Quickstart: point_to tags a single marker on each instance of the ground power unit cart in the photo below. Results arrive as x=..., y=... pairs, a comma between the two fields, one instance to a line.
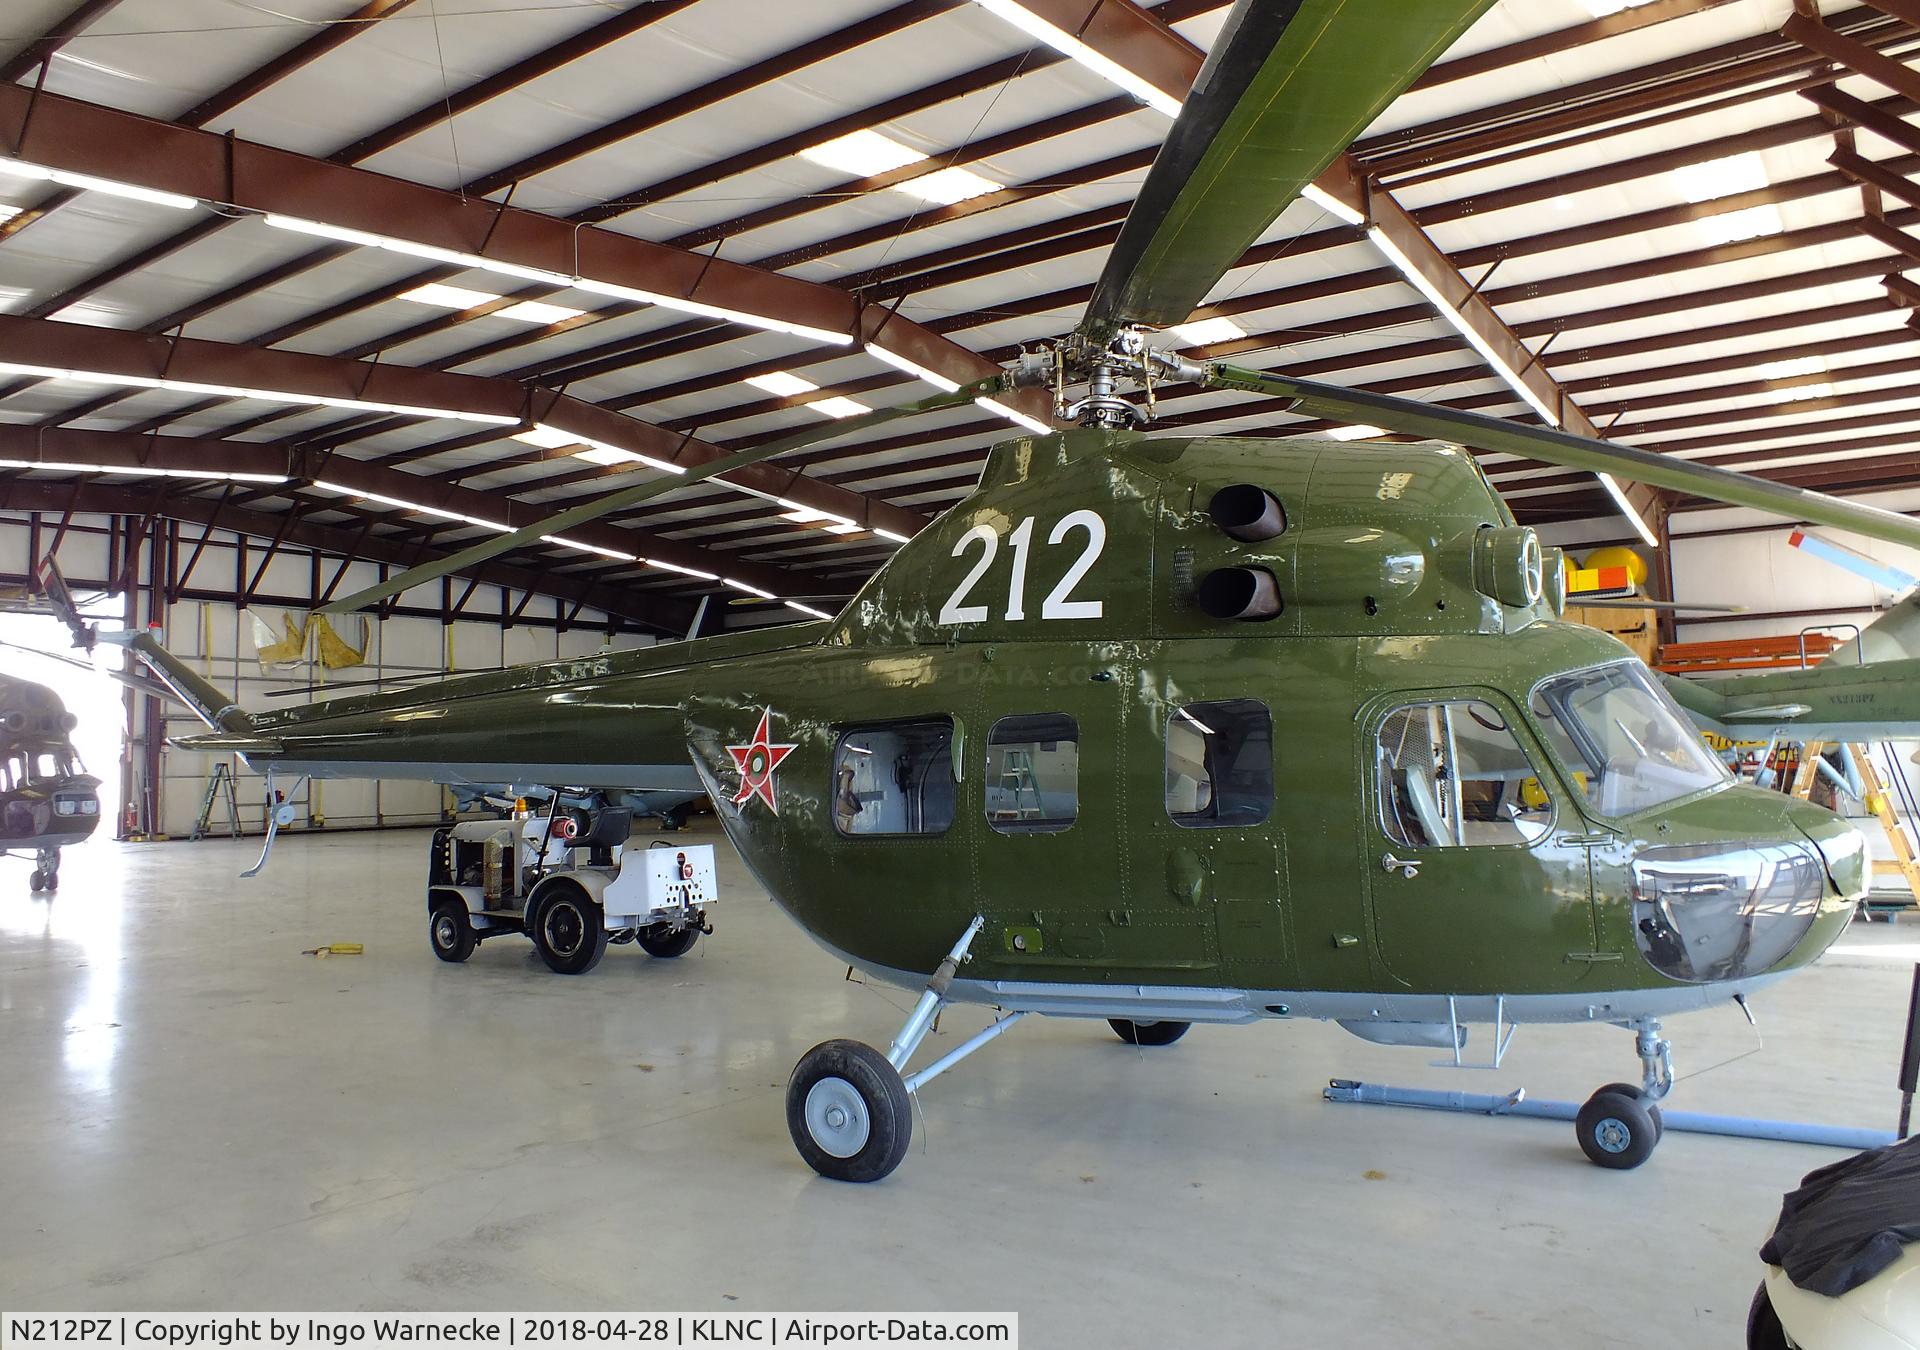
x=568, y=881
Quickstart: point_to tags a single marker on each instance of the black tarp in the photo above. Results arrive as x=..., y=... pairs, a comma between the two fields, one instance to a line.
x=1848, y=1221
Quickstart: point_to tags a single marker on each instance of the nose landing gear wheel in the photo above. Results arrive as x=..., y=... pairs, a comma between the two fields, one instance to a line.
x=1616, y=1130
x=569, y=931
x=39, y=881
x=664, y=943
x=450, y=931
x=1639, y=1094
x=848, y=1112
x=1148, y=1033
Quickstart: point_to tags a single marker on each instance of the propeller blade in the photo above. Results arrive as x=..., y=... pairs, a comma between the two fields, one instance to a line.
x=495, y=545
x=1413, y=418
x=1286, y=88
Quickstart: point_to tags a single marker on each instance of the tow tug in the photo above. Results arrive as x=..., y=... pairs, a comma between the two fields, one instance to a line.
x=571, y=882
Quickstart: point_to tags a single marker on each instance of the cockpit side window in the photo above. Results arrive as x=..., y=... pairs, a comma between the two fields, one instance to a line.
x=1220, y=764
x=1033, y=774
x=894, y=779
x=1453, y=775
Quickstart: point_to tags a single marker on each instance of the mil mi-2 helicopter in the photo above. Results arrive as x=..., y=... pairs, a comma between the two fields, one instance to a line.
x=1189, y=729
x=48, y=800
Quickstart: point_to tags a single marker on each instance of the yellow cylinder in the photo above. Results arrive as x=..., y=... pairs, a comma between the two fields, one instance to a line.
x=1617, y=555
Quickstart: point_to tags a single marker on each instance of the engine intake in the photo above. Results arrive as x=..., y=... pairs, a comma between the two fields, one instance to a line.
x=1248, y=513
x=1247, y=593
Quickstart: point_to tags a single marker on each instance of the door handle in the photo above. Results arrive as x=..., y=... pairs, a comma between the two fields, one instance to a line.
x=1406, y=867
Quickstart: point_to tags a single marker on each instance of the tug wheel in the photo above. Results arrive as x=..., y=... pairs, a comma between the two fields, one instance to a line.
x=848, y=1112
x=664, y=943
x=569, y=930
x=450, y=930
x=1616, y=1130
x=1639, y=1093
x=1147, y=1033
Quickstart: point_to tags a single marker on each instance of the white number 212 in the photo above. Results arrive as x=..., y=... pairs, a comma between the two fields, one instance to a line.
x=1057, y=605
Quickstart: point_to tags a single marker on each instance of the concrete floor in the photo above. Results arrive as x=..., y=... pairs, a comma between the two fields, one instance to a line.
x=194, y=1115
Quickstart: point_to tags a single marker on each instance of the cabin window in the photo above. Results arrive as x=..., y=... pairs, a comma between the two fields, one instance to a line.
x=1220, y=764
x=1453, y=775
x=1033, y=774
x=894, y=779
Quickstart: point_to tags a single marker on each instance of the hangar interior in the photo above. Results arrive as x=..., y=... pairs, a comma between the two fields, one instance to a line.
x=295, y=298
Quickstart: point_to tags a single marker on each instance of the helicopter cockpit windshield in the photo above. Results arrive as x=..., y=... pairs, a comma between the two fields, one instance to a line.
x=1624, y=739
x=32, y=766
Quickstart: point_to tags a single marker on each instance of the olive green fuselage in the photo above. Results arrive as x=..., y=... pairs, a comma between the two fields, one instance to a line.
x=1065, y=588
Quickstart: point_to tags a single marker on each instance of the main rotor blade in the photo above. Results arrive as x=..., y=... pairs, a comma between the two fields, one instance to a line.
x=495, y=545
x=1413, y=418
x=1286, y=88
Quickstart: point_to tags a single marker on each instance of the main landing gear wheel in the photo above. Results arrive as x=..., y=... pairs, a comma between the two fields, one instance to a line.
x=1617, y=1130
x=569, y=931
x=41, y=880
x=1148, y=1033
x=450, y=931
x=848, y=1112
x=665, y=943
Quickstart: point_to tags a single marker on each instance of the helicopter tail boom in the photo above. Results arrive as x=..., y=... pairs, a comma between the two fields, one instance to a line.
x=208, y=703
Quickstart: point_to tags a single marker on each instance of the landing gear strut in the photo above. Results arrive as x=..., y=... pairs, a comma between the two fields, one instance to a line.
x=848, y=1106
x=1620, y=1124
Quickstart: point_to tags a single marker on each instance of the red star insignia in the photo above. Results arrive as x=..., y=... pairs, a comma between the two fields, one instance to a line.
x=756, y=761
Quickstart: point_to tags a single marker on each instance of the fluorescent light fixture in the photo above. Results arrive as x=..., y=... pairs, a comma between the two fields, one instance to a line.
x=1359, y=433
x=1715, y=178
x=216, y=475
x=807, y=515
x=1735, y=227
x=448, y=297
x=8, y=212
x=1331, y=204
x=772, y=325
x=1015, y=416
x=608, y=455
x=400, y=503
x=1507, y=373
x=913, y=368
x=781, y=384
x=1075, y=50
x=750, y=590
x=683, y=571
x=565, y=542
x=1600, y=9
x=265, y=395
x=1460, y=325
x=839, y=407
x=1627, y=509
x=944, y=187
x=538, y=312
x=86, y=182
x=891, y=536
x=1206, y=332
x=862, y=154
x=348, y=235
x=808, y=609
x=546, y=437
